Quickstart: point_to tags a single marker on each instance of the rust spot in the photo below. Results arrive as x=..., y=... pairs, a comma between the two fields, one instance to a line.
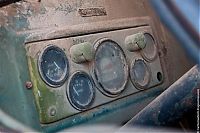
x=89, y=12
x=164, y=50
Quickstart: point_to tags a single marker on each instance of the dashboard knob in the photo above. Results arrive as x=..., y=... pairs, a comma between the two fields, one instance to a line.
x=82, y=52
x=135, y=42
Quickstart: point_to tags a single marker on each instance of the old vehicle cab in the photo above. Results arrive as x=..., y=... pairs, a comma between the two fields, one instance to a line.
x=72, y=65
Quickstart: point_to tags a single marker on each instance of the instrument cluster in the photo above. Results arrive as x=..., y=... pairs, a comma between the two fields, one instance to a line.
x=76, y=74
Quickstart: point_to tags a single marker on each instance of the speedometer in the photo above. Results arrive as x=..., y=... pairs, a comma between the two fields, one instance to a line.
x=53, y=66
x=110, y=67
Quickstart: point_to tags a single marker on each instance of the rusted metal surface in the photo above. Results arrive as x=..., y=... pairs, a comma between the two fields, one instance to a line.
x=172, y=104
x=38, y=21
x=89, y=12
x=42, y=16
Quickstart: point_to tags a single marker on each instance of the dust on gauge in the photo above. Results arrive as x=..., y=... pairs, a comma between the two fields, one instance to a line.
x=80, y=90
x=140, y=73
x=53, y=66
x=150, y=51
x=110, y=67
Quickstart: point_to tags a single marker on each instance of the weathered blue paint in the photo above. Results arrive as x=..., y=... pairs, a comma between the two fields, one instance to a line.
x=188, y=38
x=172, y=104
x=15, y=99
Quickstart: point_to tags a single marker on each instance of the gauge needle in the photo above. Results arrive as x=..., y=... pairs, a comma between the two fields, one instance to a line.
x=56, y=65
x=75, y=91
x=48, y=72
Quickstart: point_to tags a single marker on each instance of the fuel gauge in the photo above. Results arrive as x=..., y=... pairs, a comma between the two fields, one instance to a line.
x=80, y=90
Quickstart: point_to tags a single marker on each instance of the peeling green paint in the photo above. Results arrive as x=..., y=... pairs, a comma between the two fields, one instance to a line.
x=47, y=97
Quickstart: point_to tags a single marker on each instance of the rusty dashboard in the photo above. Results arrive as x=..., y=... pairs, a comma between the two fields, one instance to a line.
x=75, y=62
x=112, y=72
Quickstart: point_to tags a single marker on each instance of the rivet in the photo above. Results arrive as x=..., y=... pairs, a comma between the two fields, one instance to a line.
x=29, y=85
x=52, y=112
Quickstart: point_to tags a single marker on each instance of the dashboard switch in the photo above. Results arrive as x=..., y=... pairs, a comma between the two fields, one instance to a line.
x=82, y=52
x=135, y=42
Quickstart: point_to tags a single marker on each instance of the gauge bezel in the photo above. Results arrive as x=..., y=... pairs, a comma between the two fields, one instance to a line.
x=148, y=59
x=104, y=91
x=137, y=85
x=86, y=106
x=65, y=75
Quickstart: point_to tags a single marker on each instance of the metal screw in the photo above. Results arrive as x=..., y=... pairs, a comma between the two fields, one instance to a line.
x=52, y=112
x=29, y=85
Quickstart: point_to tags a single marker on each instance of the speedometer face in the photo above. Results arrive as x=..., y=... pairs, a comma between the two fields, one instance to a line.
x=140, y=74
x=53, y=66
x=81, y=90
x=110, y=67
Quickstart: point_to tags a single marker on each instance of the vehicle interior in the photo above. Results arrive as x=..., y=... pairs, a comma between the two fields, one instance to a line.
x=99, y=65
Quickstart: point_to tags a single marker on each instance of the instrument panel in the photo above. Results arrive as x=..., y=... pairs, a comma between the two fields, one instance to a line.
x=101, y=70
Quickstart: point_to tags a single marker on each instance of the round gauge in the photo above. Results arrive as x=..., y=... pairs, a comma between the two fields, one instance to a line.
x=53, y=66
x=140, y=73
x=110, y=67
x=81, y=90
x=149, y=52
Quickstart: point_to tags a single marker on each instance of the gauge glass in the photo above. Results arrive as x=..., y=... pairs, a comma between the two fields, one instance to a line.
x=150, y=51
x=81, y=90
x=110, y=67
x=140, y=73
x=53, y=66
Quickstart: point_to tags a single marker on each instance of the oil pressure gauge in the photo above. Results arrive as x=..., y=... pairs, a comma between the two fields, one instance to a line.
x=110, y=67
x=53, y=66
x=80, y=90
